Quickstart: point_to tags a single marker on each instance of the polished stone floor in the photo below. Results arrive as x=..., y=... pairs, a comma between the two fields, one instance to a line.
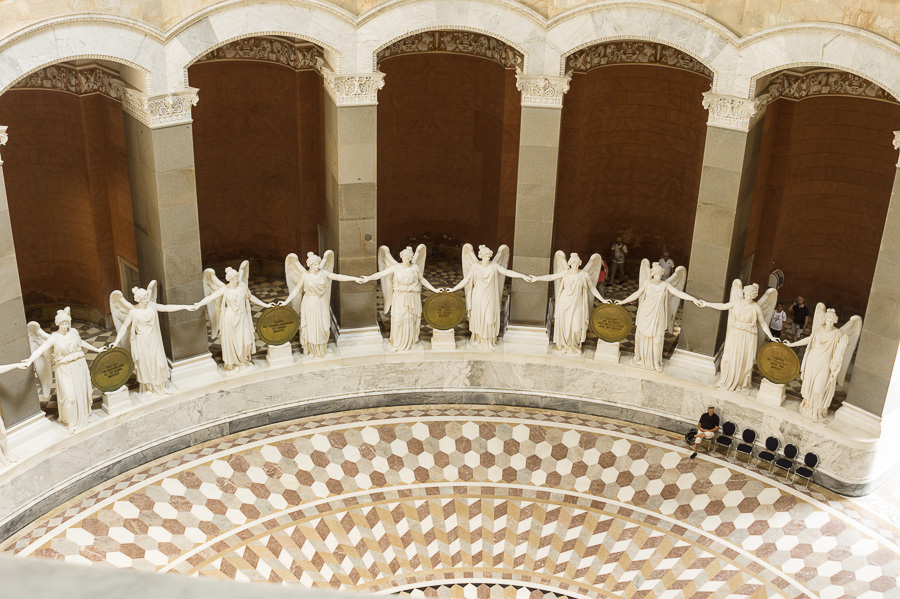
x=467, y=501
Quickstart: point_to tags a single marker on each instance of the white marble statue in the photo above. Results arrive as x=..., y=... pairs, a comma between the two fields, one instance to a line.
x=574, y=290
x=66, y=359
x=748, y=325
x=6, y=458
x=138, y=331
x=230, y=316
x=401, y=284
x=483, y=280
x=310, y=296
x=826, y=360
x=658, y=302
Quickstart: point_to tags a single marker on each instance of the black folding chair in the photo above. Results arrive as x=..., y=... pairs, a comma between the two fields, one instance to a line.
x=726, y=437
x=770, y=452
x=786, y=461
x=748, y=438
x=808, y=469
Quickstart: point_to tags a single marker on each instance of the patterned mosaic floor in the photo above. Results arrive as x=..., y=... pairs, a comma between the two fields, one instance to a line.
x=453, y=501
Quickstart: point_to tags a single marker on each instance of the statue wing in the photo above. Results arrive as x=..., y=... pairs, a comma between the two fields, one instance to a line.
x=42, y=365
x=501, y=258
x=559, y=265
x=120, y=309
x=419, y=258
x=818, y=321
x=211, y=284
x=851, y=331
x=152, y=291
x=644, y=274
x=767, y=305
x=736, y=294
x=385, y=261
x=469, y=259
x=328, y=264
x=593, y=268
x=293, y=274
x=678, y=281
x=244, y=270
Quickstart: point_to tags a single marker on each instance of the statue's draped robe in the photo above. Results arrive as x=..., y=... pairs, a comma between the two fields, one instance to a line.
x=739, y=351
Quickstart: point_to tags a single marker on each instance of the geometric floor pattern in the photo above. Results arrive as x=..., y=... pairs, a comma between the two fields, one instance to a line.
x=475, y=502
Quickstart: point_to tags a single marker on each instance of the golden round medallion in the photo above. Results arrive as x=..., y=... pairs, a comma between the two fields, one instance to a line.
x=444, y=311
x=611, y=322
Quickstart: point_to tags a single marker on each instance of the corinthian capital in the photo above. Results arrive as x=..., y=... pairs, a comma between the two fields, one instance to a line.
x=896, y=141
x=4, y=137
x=357, y=89
x=160, y=110
x=542, y=91
x=731, y=112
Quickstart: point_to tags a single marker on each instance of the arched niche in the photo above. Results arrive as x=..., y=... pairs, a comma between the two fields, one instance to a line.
x=448, y=139
x=258, y=148
x=631, y=150
x=823, y=185
x=68, y=188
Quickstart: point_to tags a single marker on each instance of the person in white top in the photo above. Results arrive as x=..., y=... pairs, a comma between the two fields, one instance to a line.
x=667, y=265
x=776, y=325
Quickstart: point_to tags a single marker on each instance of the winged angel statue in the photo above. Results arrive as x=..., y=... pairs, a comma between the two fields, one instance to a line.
x=483, y=280
x=138, y=330
x=826, y=360
x=572, y=290
x=230, y=319
x=310, y=296
x=401, y=284
x=73, y=380
x=748, y=326
x=658, y=302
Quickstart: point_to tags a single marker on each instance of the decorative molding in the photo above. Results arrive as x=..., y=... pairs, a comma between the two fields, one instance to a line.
x=541, y=91
x=895, y=143
x=634, y=52
x=731, y=112
x=455, y=42
x=79, y=80
x=4, y=137
x=300, y=56
x=357, y=89
x=827, y=82
x=163, y=110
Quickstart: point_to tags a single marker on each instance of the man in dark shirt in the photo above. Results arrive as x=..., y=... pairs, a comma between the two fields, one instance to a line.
x=707, y=427
x=801, y=318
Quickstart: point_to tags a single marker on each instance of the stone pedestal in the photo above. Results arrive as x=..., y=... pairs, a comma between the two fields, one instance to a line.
x=195, y=371
x=279, y=355
x=607, y=352
x=692, y=366
x=850, y=415
x=116, y=401
x=443, y=340
x=529, y=340
x=361, y=341
x=770, y=393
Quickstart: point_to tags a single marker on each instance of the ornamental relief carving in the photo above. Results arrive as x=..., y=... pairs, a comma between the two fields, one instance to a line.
x=300, y=56
x=797, y=86
x=633, y=53
x=81, y=81
x=161, y=110
x=455, y=42
x=360, y=89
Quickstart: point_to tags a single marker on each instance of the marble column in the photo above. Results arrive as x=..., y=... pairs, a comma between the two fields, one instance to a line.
x=160, y=144
x=542, y=99
x=730, y=157
x=874, y=388
x=18, y=390
x=351, y=155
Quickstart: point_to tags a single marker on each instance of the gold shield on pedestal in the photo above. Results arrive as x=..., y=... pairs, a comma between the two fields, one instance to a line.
x=777, y=362
x=277, y=325
x=444, y=311
x=611, y=323
x=111, y=369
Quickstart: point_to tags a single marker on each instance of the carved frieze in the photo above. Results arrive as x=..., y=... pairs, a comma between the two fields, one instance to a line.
x=356, y=89
x=456, y=42
x=4, y=137
x=300, y=56
x=730, y=112
x=633, y=52
x=161, y=110
x=798, y=86
x=541, y=91
x=79, y=80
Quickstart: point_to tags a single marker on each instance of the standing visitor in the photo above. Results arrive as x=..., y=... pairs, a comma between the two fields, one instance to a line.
x=800, y=313
x=667, y=265
x=776, y=324
x=619, y=250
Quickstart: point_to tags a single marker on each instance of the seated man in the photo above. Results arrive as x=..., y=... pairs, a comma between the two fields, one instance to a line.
x=707, y=427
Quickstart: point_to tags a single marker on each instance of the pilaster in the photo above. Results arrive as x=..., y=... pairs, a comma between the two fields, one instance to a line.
x=18, y=390
x=542, y=100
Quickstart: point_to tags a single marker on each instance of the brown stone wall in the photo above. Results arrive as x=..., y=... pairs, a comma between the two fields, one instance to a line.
x=448, y=144
x=259, y=160
x=70, y=202
x=631, y=150
x=821, y=196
